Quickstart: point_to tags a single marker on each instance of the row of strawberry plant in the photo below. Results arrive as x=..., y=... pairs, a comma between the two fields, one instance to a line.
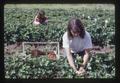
x=24, y=66
x=18, y=24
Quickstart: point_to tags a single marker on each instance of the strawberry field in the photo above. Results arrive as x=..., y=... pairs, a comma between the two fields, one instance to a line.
x=26, y=67
x=18, y=26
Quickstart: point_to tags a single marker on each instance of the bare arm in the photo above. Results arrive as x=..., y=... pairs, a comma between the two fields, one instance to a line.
x=70, y=59
x=46, y=21
x=36, y=18
x=86, y=57
x=85, y=61
x=36, y=21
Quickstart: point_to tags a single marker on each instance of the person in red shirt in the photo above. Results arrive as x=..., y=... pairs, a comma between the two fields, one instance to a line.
x=40, y=18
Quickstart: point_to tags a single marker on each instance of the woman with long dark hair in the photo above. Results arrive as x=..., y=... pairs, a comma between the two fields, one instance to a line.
x=76, y=40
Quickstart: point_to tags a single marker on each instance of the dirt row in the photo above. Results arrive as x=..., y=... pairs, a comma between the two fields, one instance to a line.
x=17, y=47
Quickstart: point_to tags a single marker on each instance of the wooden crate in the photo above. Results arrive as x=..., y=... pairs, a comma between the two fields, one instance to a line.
x=43, y=46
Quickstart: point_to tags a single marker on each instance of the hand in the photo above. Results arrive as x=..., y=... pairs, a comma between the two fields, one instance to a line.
x=81, y=71
x=36, y=23
x=77, y=72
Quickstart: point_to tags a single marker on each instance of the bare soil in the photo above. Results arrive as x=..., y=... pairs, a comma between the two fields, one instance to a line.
x=11, y=49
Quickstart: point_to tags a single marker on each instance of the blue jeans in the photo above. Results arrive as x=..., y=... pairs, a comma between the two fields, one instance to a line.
x=74, y=55
x=79, y=53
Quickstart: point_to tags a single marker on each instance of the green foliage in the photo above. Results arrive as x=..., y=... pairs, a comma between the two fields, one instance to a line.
x=37, y=67
x=102, y=66
x=26, y=67
x=19, y=24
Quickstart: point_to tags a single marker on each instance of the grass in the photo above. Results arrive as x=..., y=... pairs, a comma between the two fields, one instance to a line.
x=57, y=6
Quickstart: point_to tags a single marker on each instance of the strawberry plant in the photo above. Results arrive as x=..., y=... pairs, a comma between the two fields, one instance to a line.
x=27, y=67
x=19, y=24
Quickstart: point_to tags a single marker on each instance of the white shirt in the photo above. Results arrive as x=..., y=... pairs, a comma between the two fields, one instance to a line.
x=77, y=44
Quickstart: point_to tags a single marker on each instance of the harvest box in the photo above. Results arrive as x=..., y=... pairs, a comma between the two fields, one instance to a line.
x=42, y=46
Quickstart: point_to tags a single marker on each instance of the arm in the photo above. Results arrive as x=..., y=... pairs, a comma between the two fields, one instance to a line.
x=87, y=48
x=85, y=61
x=70, y=59
x=36, y=21
x=86, y=57
x=46, y=21
x=66, y=46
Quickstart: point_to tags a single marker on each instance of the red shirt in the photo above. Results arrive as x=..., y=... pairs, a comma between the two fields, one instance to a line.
x=43, y=20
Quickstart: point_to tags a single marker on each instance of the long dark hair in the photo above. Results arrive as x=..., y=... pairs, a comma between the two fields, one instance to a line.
x=40, y=12
x=75, y=24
